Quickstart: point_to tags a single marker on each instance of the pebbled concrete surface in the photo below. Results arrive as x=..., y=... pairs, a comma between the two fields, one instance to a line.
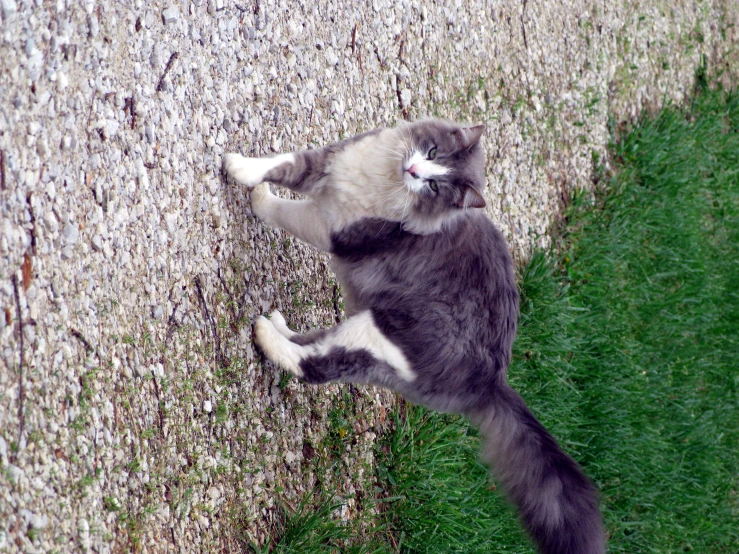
x=134, y=411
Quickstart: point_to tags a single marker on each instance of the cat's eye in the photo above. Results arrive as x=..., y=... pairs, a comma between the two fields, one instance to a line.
x=432, y=153
x=432, y=185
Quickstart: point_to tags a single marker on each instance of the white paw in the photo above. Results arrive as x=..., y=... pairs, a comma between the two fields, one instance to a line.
x=277, y=319
x=278, y=349
x=251, y=171
x=260, y=196
x=245, y=171
x=262, y=329
x=280, y=324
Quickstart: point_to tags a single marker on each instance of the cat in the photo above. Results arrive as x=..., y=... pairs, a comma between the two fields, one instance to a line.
x=431, y=300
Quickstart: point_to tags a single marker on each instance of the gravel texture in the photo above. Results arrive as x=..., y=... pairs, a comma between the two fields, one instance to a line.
x=134, y=410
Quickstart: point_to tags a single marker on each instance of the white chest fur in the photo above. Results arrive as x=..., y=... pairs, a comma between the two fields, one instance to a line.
x=365, y=179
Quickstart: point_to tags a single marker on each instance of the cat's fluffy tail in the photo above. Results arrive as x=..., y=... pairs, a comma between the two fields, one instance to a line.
x=556, y=501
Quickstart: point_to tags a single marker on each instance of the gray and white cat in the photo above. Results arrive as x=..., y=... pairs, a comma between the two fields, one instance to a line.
x=431, y=299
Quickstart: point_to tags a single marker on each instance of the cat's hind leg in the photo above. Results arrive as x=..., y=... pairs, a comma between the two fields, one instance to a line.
x=354, y=351
x=278, y=348
x=279, y=323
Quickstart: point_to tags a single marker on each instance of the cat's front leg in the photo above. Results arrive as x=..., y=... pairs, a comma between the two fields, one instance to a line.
x=252, y=171
x=300, y=218
x=300, y=171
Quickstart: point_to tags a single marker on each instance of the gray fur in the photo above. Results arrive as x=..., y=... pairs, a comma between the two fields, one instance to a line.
x=439, y=284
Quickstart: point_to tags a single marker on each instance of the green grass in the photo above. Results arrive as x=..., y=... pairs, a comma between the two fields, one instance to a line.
x=439, y=496
x=654, y=267
x=312, y=528
x=627, y=352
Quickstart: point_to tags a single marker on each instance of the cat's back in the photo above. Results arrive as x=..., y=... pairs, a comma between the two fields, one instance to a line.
x=459, y=274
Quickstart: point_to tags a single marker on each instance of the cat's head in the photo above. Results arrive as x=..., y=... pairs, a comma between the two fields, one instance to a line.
x=442, y=170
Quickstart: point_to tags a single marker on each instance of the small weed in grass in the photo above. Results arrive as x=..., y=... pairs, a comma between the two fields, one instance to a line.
x=340, y=428
x=148, y=433
x=111, y=504
x=311, y=528
x=134, y=466
x=85, y=481
x=221, y=412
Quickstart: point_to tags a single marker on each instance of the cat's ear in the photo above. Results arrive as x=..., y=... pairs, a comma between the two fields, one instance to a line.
x=467, y=137
x=471, y=199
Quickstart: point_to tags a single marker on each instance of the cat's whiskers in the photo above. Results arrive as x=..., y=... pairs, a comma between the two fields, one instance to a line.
x=387, y=199
x=402, y=205
x=387, y=220
x=406, y=143
x=405, y=207
x=390, y=184
x=403, y=143
x=392, y=154
x=387, y=196
x=390, y=149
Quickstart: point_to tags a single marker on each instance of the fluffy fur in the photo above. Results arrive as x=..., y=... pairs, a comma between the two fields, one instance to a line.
x=431, y=299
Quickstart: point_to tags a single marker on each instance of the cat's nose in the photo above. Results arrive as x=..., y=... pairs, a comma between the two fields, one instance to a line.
x=412, y=170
